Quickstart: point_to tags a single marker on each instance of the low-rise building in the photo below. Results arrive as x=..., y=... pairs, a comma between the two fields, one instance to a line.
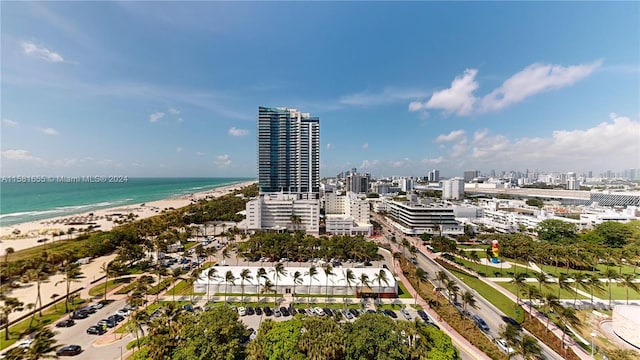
x=283, y=212
x=416, y=219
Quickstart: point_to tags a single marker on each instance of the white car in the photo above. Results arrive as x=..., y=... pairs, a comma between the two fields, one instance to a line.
x=242, y=311
x=502, y=344
x=318, y=311
x=406, y=314
x=123, y=312
x=25, y=343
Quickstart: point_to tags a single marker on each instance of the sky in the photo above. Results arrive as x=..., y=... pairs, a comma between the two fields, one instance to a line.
x=172, y=89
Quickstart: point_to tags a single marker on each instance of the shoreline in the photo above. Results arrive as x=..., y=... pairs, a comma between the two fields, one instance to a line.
x=33, y=233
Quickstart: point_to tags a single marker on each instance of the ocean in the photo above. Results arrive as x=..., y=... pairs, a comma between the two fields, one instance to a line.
x=22, y=202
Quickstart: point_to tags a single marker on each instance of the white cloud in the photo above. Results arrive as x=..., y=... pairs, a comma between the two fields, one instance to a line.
x=454, y=135
x=19, y=154
x=386, y=96
x=9, y=123
x=223, y=160
x=366, y=164
x=156, y=116
x=198, y=153
x=41, y=52
x=365, y=146
x=330, y=146
x=178, y=149
x=534, y=79
x=174, y=111
x=401, y=163
x=432, y=161
x=458, y=99
x=49, y=131
x=238, y=132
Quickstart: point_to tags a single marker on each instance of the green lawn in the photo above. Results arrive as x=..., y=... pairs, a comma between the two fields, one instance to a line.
x=618, y=293
x=403, y=293
x=600, y=269
x=181, y=288
x=493, y=296
x=111, y=284
x=490, y=271
x=551, y=288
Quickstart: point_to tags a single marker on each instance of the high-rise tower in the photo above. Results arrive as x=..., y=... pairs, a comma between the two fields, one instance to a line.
x=288, y=151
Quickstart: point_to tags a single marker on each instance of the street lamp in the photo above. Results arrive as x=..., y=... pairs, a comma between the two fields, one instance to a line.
x=593, y=336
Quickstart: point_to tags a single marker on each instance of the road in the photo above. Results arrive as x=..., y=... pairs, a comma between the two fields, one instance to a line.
x=77, y=334
x=491, y=315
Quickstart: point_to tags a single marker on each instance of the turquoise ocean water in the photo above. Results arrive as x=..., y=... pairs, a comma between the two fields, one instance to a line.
x=22, y=202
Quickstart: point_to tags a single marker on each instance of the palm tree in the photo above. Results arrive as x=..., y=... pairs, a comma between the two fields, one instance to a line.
x=441, y=277
x=475, y=259
x=541, y=277
x=452, y=289
x=11, y=304
x=364, y=281
x=267, y=287
x=228, y=278
x=39, y=275
x=8, y=251
x=626, y=280
x=295, y=221
x=261, y=274
x=43, y=344
x=109, y=269
x=578, y=281
x=551, y=304
x=349, y=278
x=528, y=347
x=468, y=299
x=245, y=275
x=531, y=293
x=421, y=277
x=328, y=271
x=212, y=274
x=138, y=320
x=192, y=279
x=278, y=271
x=72, y=273
x=610, y=274
x=297, y=280
x=225, y=255
x=594, y=284
x=381, y=277
x=519, y=281
x=313, y=271
x=563, y=283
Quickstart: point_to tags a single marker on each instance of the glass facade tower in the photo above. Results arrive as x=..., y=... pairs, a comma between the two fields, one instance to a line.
x=288, y=151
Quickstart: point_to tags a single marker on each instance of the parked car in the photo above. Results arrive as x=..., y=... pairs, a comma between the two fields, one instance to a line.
x=108, y=322
x=354, y=312
x=292, y=310
x=123, y=312
x=277, y=313
x=423, y=315
x=258, y=310
x=391, y=313
x=250, y=310
x=267, y=311
x=69, y=350
x=242, y=311
x=77, y=315
x=302, y=311
x=318, y=311
x=95, y=330
x=117, y=318
x=480, y=322
x=284, y=311
x=406, y=314
x=347, y=314
x=66, y=323
x=25, y=343
x=97, y=306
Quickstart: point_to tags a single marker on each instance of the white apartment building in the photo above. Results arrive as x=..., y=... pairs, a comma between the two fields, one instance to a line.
x=274, y=212
x=453, y=189
x=347, y=214
x=416, y=219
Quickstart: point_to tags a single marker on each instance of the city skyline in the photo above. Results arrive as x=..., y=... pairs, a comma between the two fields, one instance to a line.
x=401, y=88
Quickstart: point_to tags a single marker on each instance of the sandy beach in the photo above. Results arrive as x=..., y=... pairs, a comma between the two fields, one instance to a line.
x=30, y=234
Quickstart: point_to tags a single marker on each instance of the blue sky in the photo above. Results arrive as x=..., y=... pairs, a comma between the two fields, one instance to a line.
x=172, y=89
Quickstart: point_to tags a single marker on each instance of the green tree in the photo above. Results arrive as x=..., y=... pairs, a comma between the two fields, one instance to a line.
x=42, y=346
x=627, y=280
x=611, y=275
x=349, y=278
x=212, y=274
x=278, y=272
x=228, y=278
x=10, y=305
x=527, y=347
x=615, y=234
x=373, y=336
x=554, y=231
x=39, y=275
x=215, y=335
x=245, y=275
x=277, y=340
x=595, y=285
x=468, y=300
x=72, y=273
x=520, y=282
x=328, y=271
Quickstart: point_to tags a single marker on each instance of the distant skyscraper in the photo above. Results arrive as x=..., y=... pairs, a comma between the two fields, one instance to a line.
x=288, y=151
x=434, y=175
x=453, y=189
x=470, y=175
